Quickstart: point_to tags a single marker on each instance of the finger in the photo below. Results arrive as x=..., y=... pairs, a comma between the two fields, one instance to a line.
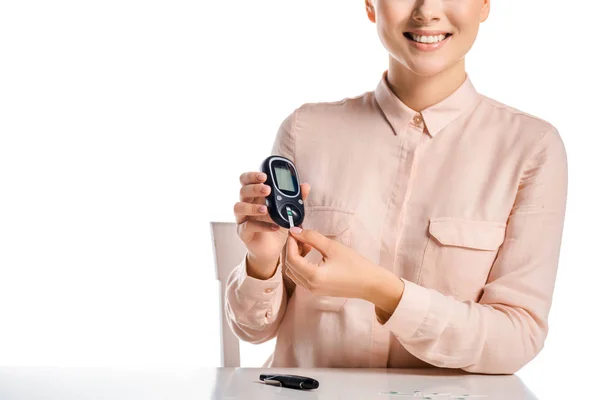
x=242, y=209
x=291, y=276
x=313, y=238
x=299, y=264
x=264, y=218
x=305, y=190
x=248, y=178
x=295, y=278
x=250, y=191
x=306, y=248
x=247, y=229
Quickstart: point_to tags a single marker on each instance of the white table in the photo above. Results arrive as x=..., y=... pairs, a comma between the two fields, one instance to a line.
x=20, y=383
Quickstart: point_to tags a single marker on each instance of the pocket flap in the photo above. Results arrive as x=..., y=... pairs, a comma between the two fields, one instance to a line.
x=483, y=235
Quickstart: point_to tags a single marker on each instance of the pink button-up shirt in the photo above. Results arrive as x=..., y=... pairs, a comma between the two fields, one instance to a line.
x=464, y=201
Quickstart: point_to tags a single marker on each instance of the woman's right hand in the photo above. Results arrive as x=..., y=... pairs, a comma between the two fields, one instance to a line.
x=263, y=238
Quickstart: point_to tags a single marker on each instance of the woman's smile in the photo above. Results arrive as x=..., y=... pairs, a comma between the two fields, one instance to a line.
x=427, y=40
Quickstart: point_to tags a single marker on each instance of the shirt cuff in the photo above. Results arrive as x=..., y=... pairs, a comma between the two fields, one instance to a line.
x=411, y=311
x=258, y=289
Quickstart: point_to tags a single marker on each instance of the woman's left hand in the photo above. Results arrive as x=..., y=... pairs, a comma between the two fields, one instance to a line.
x=342, y=273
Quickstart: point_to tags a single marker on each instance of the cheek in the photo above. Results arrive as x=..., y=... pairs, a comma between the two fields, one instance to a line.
x=465, y=39
x=391, y=15
x=465, y=16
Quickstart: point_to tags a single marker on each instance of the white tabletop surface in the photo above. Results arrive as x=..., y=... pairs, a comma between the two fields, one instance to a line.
x=20, y=383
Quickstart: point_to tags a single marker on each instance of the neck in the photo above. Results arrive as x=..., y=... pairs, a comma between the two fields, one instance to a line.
x=421, y=92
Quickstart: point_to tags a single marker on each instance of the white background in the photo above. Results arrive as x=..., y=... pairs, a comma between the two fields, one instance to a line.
x=124, y=126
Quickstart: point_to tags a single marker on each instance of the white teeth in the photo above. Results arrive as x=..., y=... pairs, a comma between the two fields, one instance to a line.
x=427, y=39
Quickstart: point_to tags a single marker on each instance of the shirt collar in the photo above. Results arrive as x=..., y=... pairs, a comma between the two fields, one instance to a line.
x=436, y=117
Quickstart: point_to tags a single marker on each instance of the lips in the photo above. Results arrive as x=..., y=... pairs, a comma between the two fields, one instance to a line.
x=425, y=37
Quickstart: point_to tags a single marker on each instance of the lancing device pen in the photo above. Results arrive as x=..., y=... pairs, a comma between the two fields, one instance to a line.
x=290, y=381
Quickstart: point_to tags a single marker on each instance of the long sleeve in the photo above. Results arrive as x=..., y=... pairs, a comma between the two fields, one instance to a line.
x=508, y=326
x=253, y=307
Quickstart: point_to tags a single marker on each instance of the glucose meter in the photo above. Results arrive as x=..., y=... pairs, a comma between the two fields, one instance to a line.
x=284, y=203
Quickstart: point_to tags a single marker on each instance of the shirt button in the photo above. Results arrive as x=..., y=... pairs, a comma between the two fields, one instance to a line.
x=417, y=119
x=268, y=290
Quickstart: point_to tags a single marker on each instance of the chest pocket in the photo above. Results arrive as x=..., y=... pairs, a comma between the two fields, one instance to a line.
x=459, y=255
x=335, y=224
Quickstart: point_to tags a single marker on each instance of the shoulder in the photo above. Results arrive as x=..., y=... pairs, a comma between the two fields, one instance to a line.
x=540, y=140
x=523, y=123
x=342, y=110
x=322, y=121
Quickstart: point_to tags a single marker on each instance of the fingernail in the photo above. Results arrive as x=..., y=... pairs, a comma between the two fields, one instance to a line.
x=295, y=229
x=265, y=189
x=275, y=227
x=261, y=176
x=262, y=208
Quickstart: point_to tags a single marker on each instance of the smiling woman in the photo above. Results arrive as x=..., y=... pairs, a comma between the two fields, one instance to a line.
x=114, y=114
x=456, y=244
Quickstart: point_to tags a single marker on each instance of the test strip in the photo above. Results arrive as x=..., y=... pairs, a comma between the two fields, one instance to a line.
x=290, y=218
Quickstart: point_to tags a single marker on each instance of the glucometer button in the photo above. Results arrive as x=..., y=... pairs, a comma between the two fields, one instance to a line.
x=300, y=201
x=279, y=198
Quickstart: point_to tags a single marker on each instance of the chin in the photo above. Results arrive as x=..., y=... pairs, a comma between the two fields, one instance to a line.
x=426, y=68
x=429, y=70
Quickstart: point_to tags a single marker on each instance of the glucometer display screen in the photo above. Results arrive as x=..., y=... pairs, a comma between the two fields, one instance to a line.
x=284, y=179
